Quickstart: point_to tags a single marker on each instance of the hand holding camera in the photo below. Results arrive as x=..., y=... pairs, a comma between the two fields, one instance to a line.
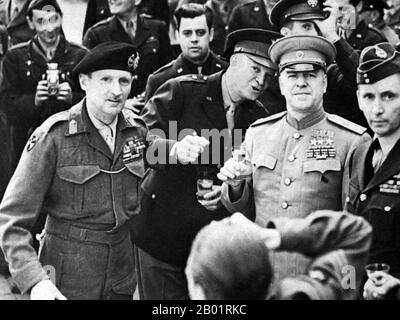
x=328, y=26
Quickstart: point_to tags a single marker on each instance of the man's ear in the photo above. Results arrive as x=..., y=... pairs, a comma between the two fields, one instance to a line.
x=285, y=31
x=138, y=2
x=359, y=100
x=211, y=34
x=30, y=23
x=83, y=78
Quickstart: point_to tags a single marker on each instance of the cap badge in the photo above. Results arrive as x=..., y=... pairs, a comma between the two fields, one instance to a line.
x=312, y=3
x=133, y=61
x=300, y=54
x=380, y=53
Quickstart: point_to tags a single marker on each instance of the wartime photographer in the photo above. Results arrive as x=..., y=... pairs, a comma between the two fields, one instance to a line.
x=36, y=81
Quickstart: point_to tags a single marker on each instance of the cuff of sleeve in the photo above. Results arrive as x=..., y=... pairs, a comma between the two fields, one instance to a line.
x=236, y=206
x=29, y=275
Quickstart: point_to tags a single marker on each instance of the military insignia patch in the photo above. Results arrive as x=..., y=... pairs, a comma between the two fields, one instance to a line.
x=133, y=61
x=312, y=3
x=321, y=145
x=380, y=53
x=31, y=142
x=391, y=186
x=134, y=148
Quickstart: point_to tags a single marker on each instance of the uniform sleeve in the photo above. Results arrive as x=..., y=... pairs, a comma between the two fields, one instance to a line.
x=151, y=87
x=245, y=203
x=15, y=103
x=21, y=206
x=339, y=242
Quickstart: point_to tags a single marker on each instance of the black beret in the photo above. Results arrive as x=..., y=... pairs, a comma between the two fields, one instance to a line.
x=302, y=52
x=109, y=55
x=45, y=5
x=296, y=10
x=377, y=62
x=254, y=42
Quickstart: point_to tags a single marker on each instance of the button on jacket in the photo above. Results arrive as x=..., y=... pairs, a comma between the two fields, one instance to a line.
x=67, y=172
x=289, y=179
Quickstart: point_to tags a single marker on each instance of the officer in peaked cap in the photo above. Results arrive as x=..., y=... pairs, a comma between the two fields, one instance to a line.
x=296, y=157
x=81, y=169
x=221, y=102
x=374, y=188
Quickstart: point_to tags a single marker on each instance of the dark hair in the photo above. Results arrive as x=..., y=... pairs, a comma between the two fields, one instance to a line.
x=230, y=263
x=193, y=10
x=50, y=5
x=290, y=23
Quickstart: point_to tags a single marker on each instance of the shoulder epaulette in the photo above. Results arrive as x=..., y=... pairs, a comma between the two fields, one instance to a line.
x=261, y=121
x=147, y=16
x=132, y=119
x=166, y=66
x=351, y=126
x=192, y=78
x=100, y=23
x=19, y=45
x=50, y=122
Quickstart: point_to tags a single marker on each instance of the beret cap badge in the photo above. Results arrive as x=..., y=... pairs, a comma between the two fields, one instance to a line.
x=133, y=61
x=380, y=53
x=312, y=3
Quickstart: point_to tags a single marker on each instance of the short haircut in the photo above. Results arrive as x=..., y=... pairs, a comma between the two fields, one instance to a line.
x=193, y=10
x=230, y=263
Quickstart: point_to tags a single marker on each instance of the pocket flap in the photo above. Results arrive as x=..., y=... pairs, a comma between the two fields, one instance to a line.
x=78, y=174
x=136, y=167
x=126, y=286
x=322, y=165
x=265, y=160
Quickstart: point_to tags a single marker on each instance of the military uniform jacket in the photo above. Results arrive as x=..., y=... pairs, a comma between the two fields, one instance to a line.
x=171, y=215
x=180, y=67
x=68, y=172
x=364, y=36
x=297, y=168
x=377, y=199
x=250, y=15
x=151, y=39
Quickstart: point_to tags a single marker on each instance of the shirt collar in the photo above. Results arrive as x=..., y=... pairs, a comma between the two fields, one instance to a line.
x=123, y=22
x=307, y=121
x=387, y=143
x=99, y=125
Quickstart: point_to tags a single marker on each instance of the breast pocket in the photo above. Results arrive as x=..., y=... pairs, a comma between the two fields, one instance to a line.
x=77, y=188
x=132, y=181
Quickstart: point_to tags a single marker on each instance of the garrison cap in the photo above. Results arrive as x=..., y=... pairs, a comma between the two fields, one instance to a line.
x=45, y=5
x=377, y=62
x=254, y=42
x=302, y=52
x=109, y=55
x=296, y=10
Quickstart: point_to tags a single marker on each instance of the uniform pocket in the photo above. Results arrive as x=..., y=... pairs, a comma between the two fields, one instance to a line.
x=265, y=160
x=136, y=167
x=322, y=165
x=124, y=288
x=78, y=174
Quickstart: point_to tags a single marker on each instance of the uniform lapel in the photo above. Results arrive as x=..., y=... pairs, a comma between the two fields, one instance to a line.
x=118, y=31
x=359, y=163
x=213, y=105
x=389, y=168
x=142, y=32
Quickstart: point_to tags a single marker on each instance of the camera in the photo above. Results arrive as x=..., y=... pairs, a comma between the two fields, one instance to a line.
x=53, y=78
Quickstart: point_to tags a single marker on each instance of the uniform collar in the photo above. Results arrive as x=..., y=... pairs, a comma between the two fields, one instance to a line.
x=387, y=143
x=307, y=121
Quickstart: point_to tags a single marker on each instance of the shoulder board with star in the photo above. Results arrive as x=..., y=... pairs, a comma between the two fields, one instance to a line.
x=101, y=22
x=132, y=119
x=164, y=67
x=351, y=126
x=193, y=78
x=274, y=117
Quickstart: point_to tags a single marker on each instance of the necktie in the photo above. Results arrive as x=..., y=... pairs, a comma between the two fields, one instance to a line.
x=130, y=28
x=199, y=69
x=377, y=158
x=109, y=137
x=370, y=162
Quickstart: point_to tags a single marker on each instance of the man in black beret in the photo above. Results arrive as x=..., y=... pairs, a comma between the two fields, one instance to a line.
x=81, y=169
x=25, y=93
x=171, y=213
x=374, y=187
